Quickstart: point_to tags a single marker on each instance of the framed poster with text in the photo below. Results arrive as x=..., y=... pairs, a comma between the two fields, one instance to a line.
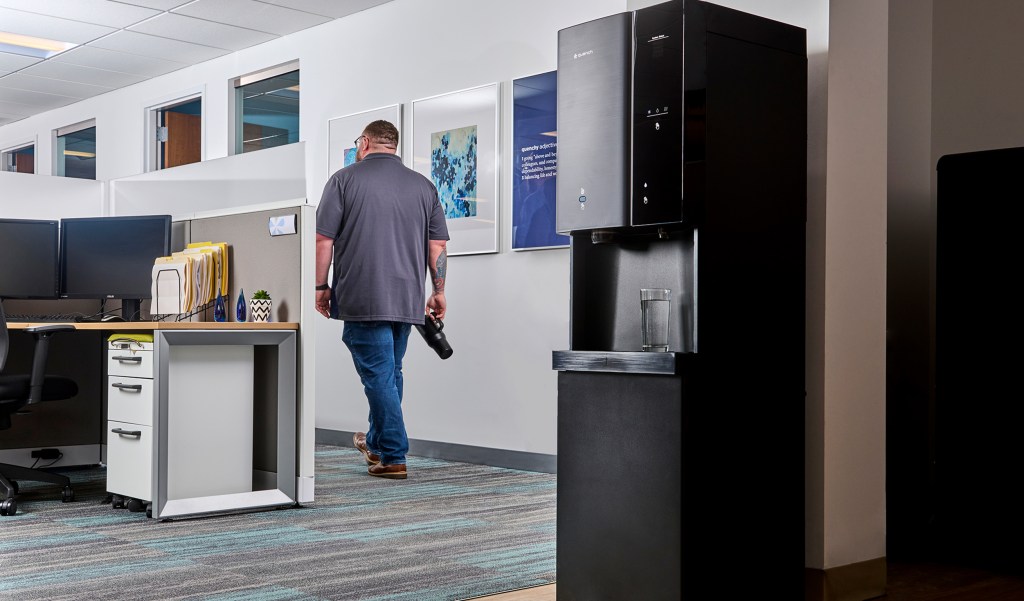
x=534, y=163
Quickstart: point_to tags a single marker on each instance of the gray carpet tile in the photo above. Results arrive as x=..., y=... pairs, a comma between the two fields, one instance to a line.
x=450, y=531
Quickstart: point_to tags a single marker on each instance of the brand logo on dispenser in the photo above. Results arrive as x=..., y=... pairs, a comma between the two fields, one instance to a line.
x=577, y=55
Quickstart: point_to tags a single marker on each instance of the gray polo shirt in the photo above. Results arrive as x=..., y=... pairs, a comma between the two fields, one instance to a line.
x=380, y=214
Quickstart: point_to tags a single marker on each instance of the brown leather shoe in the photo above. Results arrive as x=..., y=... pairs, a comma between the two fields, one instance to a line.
x=359, y=441
x=395, y=471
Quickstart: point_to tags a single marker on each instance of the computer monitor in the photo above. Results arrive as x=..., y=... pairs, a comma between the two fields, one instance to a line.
x=112, y=257
x=28, y=258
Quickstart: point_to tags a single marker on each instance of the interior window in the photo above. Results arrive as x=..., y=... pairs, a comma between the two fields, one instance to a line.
x=179, y=134
x=20, y=160
x=266, y=110
x=75, y=151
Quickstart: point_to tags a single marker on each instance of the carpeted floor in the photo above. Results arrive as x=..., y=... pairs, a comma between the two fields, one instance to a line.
x=450, y=531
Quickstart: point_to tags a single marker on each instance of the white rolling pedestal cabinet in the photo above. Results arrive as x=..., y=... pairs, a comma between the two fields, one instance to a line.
x=202, y=421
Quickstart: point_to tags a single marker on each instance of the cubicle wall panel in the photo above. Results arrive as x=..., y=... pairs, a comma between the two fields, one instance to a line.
x=258, y=260
x=75, y=421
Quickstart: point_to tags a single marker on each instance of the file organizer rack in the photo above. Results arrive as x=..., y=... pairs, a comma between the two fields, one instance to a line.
x=179, y=316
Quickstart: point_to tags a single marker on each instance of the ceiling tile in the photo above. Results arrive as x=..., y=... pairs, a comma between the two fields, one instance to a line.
x=17, y=108
x=39, y=101
x=157, y=47
x=82, y=74
x=13, y=62
x=198, y=31
x=99, y=12
x=101, y=58
x=52, y=86
x=157, y=4
x=329, y=8
x=252, y=15
x=51, y=28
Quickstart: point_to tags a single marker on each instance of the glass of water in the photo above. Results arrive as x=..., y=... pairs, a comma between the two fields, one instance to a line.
x=655, y=306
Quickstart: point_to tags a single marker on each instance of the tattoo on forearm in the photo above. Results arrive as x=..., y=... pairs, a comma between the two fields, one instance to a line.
x=440, y=269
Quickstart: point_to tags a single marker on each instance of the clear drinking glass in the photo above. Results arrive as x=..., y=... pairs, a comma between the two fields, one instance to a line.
x=655, y=305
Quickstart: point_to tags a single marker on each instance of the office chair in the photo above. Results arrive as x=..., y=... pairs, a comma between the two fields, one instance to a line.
x=19, y=390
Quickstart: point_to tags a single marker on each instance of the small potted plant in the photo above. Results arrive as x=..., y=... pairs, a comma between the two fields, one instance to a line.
x=259, y=306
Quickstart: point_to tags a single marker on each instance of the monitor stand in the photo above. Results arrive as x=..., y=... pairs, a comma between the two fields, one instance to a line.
x=131, y=309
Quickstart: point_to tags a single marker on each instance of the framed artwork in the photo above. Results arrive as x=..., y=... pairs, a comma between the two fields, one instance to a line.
x=342, y=131
x=534, y=163
x=455, y=145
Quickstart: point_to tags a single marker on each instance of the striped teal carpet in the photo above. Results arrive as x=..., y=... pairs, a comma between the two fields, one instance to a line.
x=450, y=531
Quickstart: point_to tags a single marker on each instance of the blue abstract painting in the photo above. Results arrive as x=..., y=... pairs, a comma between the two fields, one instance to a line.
x=350, y=156
x=453, y=170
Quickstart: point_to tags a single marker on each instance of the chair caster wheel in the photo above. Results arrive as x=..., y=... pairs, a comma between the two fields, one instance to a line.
x=68, y=495
x=117, y=501
x=149, y=512
x=135, y=505
x=8, y=507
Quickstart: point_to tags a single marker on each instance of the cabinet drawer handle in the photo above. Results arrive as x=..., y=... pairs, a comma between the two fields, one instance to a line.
x=130, y=387
x=120, y=432
x=128, y=359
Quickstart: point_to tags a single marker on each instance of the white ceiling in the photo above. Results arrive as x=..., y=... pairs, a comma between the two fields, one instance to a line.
x=122, y=42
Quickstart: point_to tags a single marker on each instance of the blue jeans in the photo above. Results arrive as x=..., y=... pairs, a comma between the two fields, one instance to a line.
x=377, y=349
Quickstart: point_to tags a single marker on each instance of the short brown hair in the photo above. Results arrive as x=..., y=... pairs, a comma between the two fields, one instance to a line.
x=383, y=133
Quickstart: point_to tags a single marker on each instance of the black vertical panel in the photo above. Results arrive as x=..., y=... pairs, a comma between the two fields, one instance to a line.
x=619, y=493
x=979, y=449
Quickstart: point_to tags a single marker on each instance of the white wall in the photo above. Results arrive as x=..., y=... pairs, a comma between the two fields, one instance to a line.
x=507, y=311
x=855, y=293
x=27, y=196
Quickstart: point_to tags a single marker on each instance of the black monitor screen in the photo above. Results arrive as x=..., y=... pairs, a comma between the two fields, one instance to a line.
x=28, y=258
x=111, y=257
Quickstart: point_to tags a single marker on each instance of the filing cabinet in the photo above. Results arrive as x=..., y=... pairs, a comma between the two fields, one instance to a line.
x=131, y=398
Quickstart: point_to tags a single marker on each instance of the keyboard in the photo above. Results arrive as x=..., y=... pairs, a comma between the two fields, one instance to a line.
x=55, y=317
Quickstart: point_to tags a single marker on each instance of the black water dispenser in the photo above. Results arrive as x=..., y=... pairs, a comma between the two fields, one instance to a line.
x=682, y=166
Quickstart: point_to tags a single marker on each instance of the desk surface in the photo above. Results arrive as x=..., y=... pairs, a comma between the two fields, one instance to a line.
x=144, y=326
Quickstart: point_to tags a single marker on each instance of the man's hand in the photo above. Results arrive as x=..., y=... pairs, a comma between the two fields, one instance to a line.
x=323, y=303
x=437, y=304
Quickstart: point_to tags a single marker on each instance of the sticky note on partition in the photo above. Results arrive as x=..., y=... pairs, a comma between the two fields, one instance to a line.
x=282, y=225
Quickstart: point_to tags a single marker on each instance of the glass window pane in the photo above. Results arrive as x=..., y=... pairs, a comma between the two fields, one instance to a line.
x=181, y=142
x=267, y=113
x=76, y=154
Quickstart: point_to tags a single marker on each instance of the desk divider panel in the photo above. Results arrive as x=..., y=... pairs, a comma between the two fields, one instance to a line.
x=257, y=260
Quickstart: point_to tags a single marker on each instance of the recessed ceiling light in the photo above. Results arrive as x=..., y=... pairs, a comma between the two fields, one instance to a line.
x=26, y=45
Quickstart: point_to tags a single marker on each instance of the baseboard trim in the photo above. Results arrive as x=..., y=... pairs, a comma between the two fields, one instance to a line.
x=853, y=582
x=516, y=460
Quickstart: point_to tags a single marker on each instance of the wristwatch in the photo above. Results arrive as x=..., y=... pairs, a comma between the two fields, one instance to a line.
x=323, y=287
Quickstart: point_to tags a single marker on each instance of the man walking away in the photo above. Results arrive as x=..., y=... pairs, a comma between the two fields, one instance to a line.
x=382, y=226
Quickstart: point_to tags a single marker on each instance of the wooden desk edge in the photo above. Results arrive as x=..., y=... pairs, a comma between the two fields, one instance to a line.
x=145, y=326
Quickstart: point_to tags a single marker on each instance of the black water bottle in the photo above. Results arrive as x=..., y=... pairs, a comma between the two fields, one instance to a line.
x=431, y=332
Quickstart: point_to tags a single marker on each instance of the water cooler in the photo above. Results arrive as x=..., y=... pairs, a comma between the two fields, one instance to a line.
x=682, y=165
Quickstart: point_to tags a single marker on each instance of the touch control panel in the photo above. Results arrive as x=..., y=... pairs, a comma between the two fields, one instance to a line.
x=657, y=116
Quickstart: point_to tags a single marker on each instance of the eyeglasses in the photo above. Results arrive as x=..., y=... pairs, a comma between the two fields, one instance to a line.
x=356, y=141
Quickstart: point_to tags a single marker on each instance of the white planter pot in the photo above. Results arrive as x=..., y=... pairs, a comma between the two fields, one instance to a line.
x=259, y=310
